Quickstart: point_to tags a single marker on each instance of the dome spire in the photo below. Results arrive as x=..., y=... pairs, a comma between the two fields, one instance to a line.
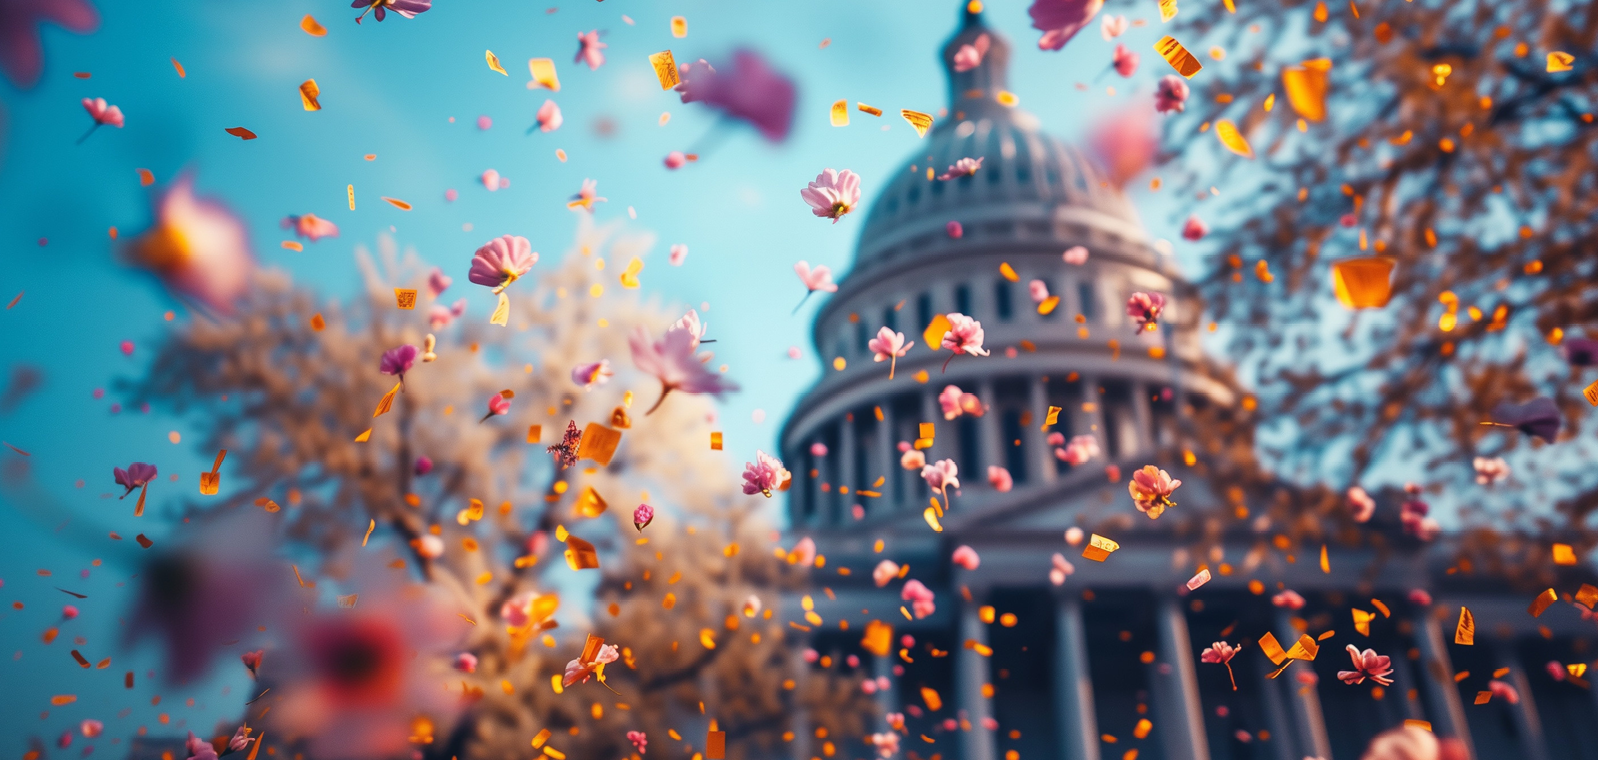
x=976, y=90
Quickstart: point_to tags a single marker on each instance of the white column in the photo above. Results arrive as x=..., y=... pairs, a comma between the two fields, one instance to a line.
x=1042, y=455
x=971, y=675
x=847, y=477
x=991, y=438
x=1533, y=746
x=887, y=699
x=1437, y=679
x=800, y=725
x=1095, y=418
x=887, y=461
x=1176, y=692
x=1073, y=684
x=1143, y=418
x=1283, y=744
x=1309, y=723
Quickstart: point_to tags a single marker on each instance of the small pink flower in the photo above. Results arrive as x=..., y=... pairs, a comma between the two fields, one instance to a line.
x=1074, y=536
x=485, y=123
x=440, y=316
x=451, y=194
x=803, y=553
x=102, y=113
x=1367, y=664
x=1112, y=473
x=1348, y=220
x=966, y=557
x=586, y=196
x=310, y=226
x=1556, y=671
x=1060, y=20
x=895, y=721
x=956, y=402
x=889, y=345
x=1125, y=61
x=1289, y=600
x=398, y=360
x=1076, y=255
x=590, y=375
x=68, y=612
x=868, y=687
x=437, y=282
x=1171, y=94
x=675, y=160
x=430, y=546
x=1111, y=27
x=1151, y=489
x=466, y=662
x=1306, y=677
x=912, y=459
x=811, y=656
x=818, y=449
x=1221, y=653
x=1504, y=691
x=1194, y=228
x=965, y=167
x=91, y=728
x=1145, y=308
x=498, y=404
x=816, y=279
x=1360, y=505
x=1060, y=568
x=500, y=261
x=1079, y=450
x=643, y=516
x=970, y=56
x=252, y=660
x=1420, y=598
x=590, y=50
x=639, y=739
x=964, y=336
x=941, y=475
x=885, y=571
x=886, y=743
x=679, y=253
x=955, y=230
x=764, y=475
x=549, y=118
x=673, y=362
x=492, y=181
x=920, y=598
x=1039, y=290
x=832, y=194
x=1000, y=479
x=1490, y=471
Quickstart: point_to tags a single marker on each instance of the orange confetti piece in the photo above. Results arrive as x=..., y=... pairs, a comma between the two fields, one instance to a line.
x=397, y=203
x=1180, y=59
x=83, y=663
x=364, y=437
x=1559, y=61
x=241, y=133
x=181, y=73
x=1008, y=272
x=930, y=514
x=679, y=27
x=931, y=698
x=144, y=541
x=1326, y=565
x=665, y=69
x=1099, y=548
x=1306, y=86
x=1377, y=603
x=317, y=322
x=1564, y=554
x=371, y=525
x=1363, y=283
x=598, y=443
x=387, y=402
x=63, y=699
x=308, y=94
x=863, y=108
x=580, y=555
x=534, y=433
x=311, y=27
x=1362, y=621
x=493, y=62
x=839, y=113
x=270, y=506
x=921, y=122
x=1587, y=595
x=1227, y=133
x=716, y=745
x=1542, y=603
x=1465, y=630
x=715, y=441
x=293, y=245
x=146, y=178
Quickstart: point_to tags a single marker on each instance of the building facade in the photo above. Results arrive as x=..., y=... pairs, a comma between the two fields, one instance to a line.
x=1107, y=664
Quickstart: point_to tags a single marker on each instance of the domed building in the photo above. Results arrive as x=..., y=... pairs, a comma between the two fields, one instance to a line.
x=1010, y=663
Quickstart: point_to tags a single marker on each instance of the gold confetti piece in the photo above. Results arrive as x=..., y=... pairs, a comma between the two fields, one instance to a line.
x=1099, y=548
x=1461, y=676
x=1325, y=635
x=1270, y=102
x=396, y=203
x=878, y=639
x=1176, y=55
x=1483, y=697
x=1234, y=141
x=405, y=298
x=1007, y=99
x=598, y=443
x=146, y=178
x=1008, y=272
x=716, y=745
x=387, y=402
x=317, y=322
x=679, y=27
x=534, y=433
x=348, y=601
x=493, y=62
x=715, y=441
x=211, y=481
x=560, y=154
x=840, y=113
x=1272, y=648
x=542, y=736
x=1326, y=564
x=979, y=647
x=1564, y=554
x=501, y=315
x=1420, y=724
x=1587, y=595
x=292, y=245
x=580, y=554
x=1576, y=669
x=240, y=132
x=1167, y=10
x=1542, y=602
x=543, y=72
x=930, y=514
x=63, y=699
x=629, y=276
x=1052, y=417
x=1306, y=86
x=308, y=93
x=1142, y=729
x=1465, y=630
x=931, y=699
x=920, y=121
x=350, y=190
x=1047, y=305
x=371, y=525
x=590, y=503
x=1362, y=621
x=181, y=73
x=665, y=69
x=873, y=110
x=1559, y=61
x=1386, y=613
x=933, y=335
x=364, y=437
x=1500, y=673
x=1363, y=283
x=271, y=507
x=311, y=27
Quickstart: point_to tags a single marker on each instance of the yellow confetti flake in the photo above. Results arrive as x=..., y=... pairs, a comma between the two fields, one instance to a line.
x=921, y=122
x=350, y=189
x=679, y=27
x=1362, y=621
x=931, y=516
x=1227, y=133
x=1542, y=603
x=873, y=110
x=308, y=94
x=1465, y=630
x=629, y=276
x=840, y=113
x=933, y=335
x=493, y=62
x=1564, y=554
x=665, y=69
x=543, y=72
x=1559, y=61
x=1167, y=12
x=1008, y=272
x=1007, y=99
x=1180, y=59
x=1099, y=548
x=1306, y=86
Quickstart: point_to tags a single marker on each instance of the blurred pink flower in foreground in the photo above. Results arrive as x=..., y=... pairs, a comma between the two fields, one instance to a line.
x=920, y=598
x=1360, y=505
x=679, y=253
x=1111, y=27
x=639, y=739
x=912, y=459
x=197, y=247
x=1124, y=61
x=1490, y=471
x=102, y=113
x=803, y=553
x=1124, y=143
x=1413, y=743
x=1171, y=94
x=590, y=50
x=965, y=167
x=750, y=91
x=1060, y=20
x=1000, y=479
x=672, y=361
x=764, y=475
x=549, y=118
x=1420, y=598
x=885, y=571
x=1194, y=228
x=1367, y=664
x=493, y=182
x=312, y=227
x=1289, y=600
x=91, y=728
x=466, y=662
x=970, y=56
x=439, y=316
x=832, y=194
x=966, y=557
x=1079, y=450
x=590, y=375
x=1504, y=691
x=954, y=229
x=886, y=743
x=675, y=159
x=21, y=45
x=1151, y=489
x=941, y=475
x=1060, y=568
x=956, y=402
x=1145, y=308
x=1076, y=255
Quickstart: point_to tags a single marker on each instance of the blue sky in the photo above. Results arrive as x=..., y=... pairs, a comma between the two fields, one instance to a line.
x=391, y=89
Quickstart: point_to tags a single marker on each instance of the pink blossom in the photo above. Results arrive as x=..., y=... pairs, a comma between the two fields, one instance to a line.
x=966, y=557
x=451, y=194
x=21, y=46
x=912, y=459
x=1413, y=743
x=691, y=323
x=485, y=123
x=1125, y=143
x=672, y=361
x=1171, y=94
x=492, y=181
x=1111, y=27
x=310, y=226
x=956, y=402
x=643, y=516
x=439, y=316
x=1504, y=691
x=1039, y=290
x=586, y=196
x=1079, y=450
x=252, y=660
x=803, y=552
x=68, y=612
x=397, y=361
x=1360, y=505
x=1060, y=568
x=964, y=336
x=199, y=749
x=1151, y=489
x=1221, y=653
x=405, y=8
x=1000, y=479
x=91, y=728
x=501, y=261
x=675, y=160
x=1076, y=254
x=954, y=229
x=590, y=375
x=1074, y=536
x=1055, y=438
x=437, y=281
x=1145, y=308
x=639, y=739
x=1124, y=61
x=1289, y=600
x=1194, y=228
x=197, y=247
x=895, y=721
x=965, y=167
x=751, y=91
x=679, y=253
x=885, y=571
x=811, y=656
x=1490, y=471
x=816, y=279
x=868, y=686
x=498, y=405
x=832, y=194
x=818, y=449
x=1420, y=598
x=102, y=113
x=920, y=598
x=1060, y=20
x=466, y=662
x=1556, y=671
x=1367, y=664
x=970, y=56
x=423, y=465
x=889, y=345
x=590, y=50
x=764, y=475
x=549, y=118
x=941, y=475
x=886, y=743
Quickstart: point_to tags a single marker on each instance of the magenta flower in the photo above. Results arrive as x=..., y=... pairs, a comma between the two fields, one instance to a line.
x=102, y=115
x=803, y=553
x=586, y=196
x=501, y=261
x=1221, y=653
x=1555, y=670
x=406, y=8
x=1420, y=598
x=888, y=345
x=954, y=229
x=311, y=227
x=466, y=662
x=832, y=194
x=1581, y=352
x=940, y=475
x=885, y=571
x=1124, y=61
x=397, y=361
x=590, y=375
x=1000, y=479
x=1060, y=568
x=1039, y=290
x=1367, y=664
x=966, y=557
x=751, y=91
x=920, y=598
x=965, y=167
x=1151, y=489
x=1060, y=20
x=643, y=516
x=252, y=660
x=498, y=404
x=764, y=475
x=1144, y=308
x=437, y=282
x=675, y=160
x=671, y=360
x=590, y=50
x=964, y=336
x=22, y=48
x=1360, y=505
x=1111, y=27
x=440, y=316
x=137, y=475
x=1194, y=228
x=198, y=248
x=549, y=118
x=492, y=182
x=970, y=56
x=1171, y=94
x=1490, y=471
x=639, y=739
x=1289, y=600
x=423, y=465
